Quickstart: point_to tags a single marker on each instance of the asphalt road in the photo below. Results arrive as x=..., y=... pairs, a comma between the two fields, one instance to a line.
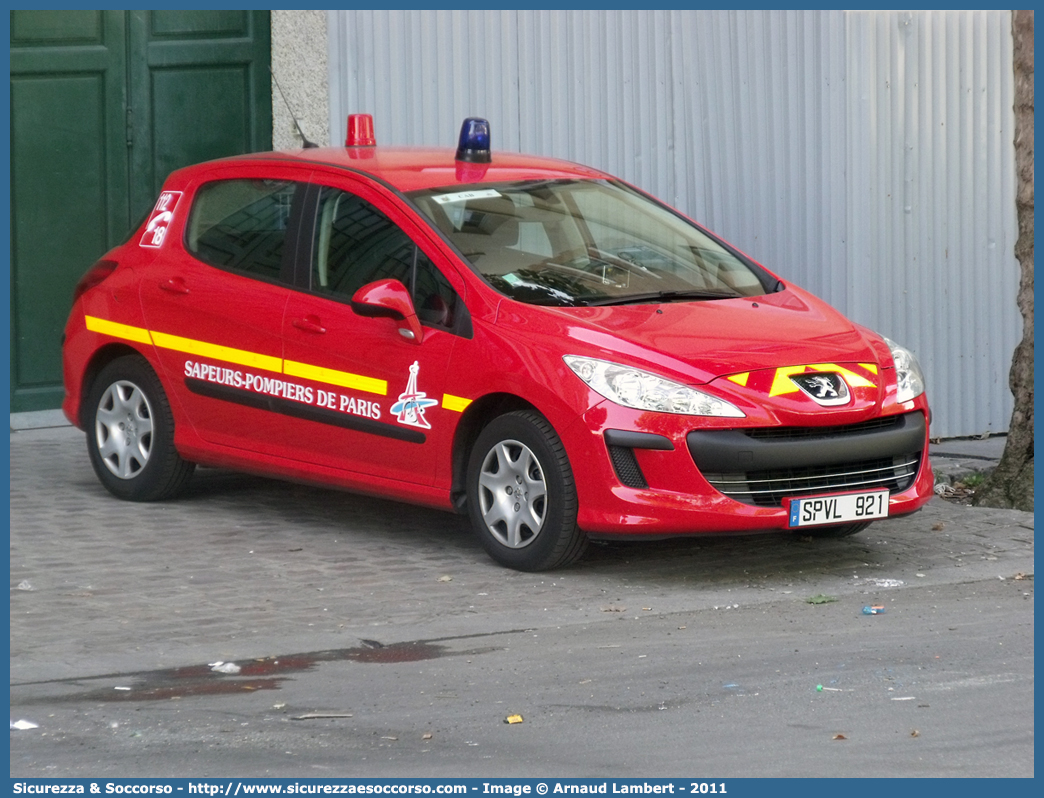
x=692, y=658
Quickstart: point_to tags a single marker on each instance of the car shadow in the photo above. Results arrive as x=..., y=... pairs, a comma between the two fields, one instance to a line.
x=703, y=558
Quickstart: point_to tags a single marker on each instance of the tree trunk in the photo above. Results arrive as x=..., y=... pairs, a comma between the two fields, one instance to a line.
x=1011, y=484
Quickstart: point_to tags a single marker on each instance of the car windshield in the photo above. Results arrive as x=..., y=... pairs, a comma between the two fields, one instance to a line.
x=586, y=242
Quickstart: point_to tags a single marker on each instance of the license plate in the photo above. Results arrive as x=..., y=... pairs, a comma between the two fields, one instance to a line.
x=838, y=508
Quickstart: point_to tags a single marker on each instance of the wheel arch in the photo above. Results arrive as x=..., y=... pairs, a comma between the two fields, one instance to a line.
x=475, y=418
x=99, y=360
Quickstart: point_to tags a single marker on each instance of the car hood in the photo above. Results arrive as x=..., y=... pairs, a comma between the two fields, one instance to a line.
x=703, y=340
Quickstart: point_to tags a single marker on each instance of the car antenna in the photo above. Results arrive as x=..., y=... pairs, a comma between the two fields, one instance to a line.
x=307, y=144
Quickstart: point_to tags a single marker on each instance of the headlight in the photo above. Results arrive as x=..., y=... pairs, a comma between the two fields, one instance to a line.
x=907, y=372
x=644, y=391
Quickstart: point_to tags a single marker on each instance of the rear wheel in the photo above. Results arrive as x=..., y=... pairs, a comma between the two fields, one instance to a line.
x=836, y=531
x=521, y=494
x=130, y=433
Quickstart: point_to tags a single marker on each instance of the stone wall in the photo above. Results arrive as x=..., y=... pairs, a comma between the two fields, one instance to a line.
x=299, y=59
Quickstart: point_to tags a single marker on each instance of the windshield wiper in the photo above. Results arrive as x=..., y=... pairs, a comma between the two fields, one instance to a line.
x=658, y=296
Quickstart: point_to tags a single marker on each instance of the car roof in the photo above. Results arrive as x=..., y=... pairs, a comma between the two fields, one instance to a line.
x=414, y=168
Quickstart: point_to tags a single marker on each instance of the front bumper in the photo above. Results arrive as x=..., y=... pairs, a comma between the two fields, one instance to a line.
x=655, y=474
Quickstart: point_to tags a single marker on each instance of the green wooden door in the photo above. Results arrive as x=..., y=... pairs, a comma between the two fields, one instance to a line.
x=104, y=105
x=200, y=88
x=68, y=178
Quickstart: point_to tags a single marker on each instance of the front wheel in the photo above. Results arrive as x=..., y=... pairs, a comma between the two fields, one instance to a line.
x=521, y=494
x=130, y=433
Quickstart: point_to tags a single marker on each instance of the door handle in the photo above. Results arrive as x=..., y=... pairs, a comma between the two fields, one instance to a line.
x=310, y=324
x=175, y=285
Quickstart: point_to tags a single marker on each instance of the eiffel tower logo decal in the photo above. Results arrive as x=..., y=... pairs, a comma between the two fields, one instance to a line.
x=412, y=403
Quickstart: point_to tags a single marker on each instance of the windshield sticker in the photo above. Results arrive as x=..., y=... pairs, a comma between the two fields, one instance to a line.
x=159, y=221
x=513, y=279
x=412, y=403
x=464, y=196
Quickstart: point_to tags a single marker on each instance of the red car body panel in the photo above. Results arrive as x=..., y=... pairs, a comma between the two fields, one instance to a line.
x=209, y=333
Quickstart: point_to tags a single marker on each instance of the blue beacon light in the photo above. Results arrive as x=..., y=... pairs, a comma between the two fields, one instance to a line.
x=474, y=141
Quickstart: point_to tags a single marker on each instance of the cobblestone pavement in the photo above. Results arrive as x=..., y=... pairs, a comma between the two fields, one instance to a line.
x=247, y=567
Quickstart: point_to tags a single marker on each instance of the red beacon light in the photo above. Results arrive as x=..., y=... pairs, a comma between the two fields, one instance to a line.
x=473, y=146
x=360, y=131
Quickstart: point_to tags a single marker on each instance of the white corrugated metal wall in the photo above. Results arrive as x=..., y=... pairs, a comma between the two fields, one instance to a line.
x=932, y=201
x=866, y=156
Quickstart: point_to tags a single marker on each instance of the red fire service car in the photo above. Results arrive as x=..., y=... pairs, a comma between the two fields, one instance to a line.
x=531, y=342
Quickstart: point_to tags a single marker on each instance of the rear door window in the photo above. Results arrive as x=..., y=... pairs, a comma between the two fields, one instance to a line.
x=242, y=225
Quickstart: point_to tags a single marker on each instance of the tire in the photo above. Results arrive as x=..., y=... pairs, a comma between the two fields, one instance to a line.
x=130, y=433
x=522, y=496
x=836, y=531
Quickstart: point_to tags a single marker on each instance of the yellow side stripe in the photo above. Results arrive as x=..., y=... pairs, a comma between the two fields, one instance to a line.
x=457, y=403
x=226, y=353
x=343, y=379
x=871, y=367
x=117, y=330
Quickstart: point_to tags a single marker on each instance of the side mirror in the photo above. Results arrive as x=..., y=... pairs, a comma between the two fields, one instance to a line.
x=390, y=299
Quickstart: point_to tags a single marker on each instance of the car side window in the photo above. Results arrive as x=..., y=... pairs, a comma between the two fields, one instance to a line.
x=356, y=244
x=242, y=225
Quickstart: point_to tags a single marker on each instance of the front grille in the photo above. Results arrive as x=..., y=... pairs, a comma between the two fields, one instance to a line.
x=795, y=433
x=763, y=466
x=768, y=488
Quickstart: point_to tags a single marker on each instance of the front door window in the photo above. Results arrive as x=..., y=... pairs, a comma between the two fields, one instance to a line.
x=356, y=244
